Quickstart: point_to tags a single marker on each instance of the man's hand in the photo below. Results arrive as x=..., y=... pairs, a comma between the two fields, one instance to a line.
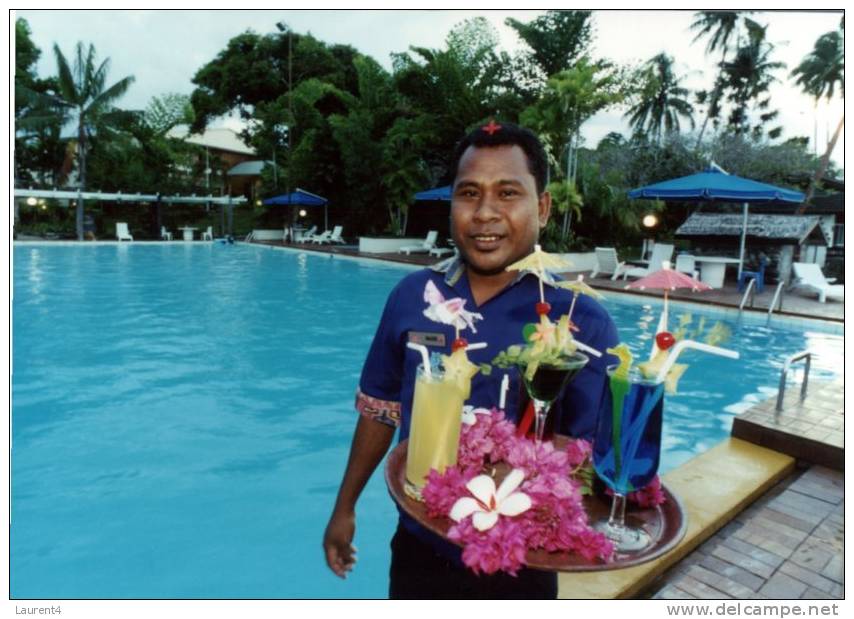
x=370, y=443
x=337, y=543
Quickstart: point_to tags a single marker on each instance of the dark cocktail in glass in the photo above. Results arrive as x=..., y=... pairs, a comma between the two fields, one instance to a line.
x=547, y=383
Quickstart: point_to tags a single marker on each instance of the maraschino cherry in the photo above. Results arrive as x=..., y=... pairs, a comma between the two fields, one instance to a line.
x=665, y=340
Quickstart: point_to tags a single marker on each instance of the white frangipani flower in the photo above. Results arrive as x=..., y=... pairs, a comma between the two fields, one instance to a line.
x=488, y=503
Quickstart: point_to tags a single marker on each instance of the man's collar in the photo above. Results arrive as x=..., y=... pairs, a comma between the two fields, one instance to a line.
x=454, y=267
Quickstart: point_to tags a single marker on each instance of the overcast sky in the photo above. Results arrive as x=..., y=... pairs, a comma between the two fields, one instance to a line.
x=163, y=49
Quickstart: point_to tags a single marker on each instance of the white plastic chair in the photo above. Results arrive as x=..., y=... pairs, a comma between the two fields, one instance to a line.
x=122, y=232
x=306, y=235
x=336, y=235
x=427, y=244
x=686, y=263
x=321, y=238
x=207, y=235
x=660, y=253
x=607, y=262
x=165, y=235
x=809, y=278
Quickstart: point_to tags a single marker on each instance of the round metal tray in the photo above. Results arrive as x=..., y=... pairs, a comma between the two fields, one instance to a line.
x=665, y=523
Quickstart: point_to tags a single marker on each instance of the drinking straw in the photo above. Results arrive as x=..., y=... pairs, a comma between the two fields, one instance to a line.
x=682, y=345
x=505, y=385
x=425, y=356
x=587, y=348
x=476, y=346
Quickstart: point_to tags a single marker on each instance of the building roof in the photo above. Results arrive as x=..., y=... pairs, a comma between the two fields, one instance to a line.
x=248, y=168
x=777, y=227
x=219, y=139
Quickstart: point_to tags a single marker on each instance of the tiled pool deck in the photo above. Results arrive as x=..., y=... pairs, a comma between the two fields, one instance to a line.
x=787, y=544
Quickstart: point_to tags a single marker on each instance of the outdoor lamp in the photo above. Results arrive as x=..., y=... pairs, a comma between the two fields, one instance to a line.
x=650, y=221
x=302, y=212
x=31, y=201
x=258, y=202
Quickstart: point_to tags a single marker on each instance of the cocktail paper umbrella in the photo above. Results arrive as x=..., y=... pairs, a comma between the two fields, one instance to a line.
x=538, y=263
x=667, y=279
x=578, y=287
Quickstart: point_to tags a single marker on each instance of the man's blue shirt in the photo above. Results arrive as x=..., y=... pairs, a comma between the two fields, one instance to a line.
x=388, y=376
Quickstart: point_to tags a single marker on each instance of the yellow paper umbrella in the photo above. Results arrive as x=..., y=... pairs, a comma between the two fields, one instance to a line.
x=538, y=263
x=578, y=287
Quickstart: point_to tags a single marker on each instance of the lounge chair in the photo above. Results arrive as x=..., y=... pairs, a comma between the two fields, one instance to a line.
x=165, y=235
x=607, y=262
x=336, y=235
x=305, y=236
x=207, y=235
x=441, y=251
x=122, y=232
x=320, y=239
x=426, y=245
x=685, y=263
x=809, y=278
x=660, y=253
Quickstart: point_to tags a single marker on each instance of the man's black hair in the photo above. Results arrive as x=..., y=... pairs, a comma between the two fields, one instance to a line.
x=506, y=134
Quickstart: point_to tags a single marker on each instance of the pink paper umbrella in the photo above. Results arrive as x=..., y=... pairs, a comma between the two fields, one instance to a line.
x=667, y=279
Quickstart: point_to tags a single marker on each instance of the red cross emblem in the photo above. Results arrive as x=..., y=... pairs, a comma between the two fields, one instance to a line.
x=492, y=127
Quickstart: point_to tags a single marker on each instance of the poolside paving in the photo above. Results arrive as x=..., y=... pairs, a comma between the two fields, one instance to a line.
x=789, y=543
x=794, y=303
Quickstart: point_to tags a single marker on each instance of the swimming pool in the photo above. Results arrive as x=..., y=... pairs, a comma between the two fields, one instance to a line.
x=182, y=415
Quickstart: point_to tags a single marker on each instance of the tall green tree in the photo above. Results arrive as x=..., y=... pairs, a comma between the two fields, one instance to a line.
x=86, y=101
x=819, y=74
x=662, y=100
x=572, y=97
x=253, y=69
x=39, y=151
x=556, y=41
x=722, y=30
x=748, y=77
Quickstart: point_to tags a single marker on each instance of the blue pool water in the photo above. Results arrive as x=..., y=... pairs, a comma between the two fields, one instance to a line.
x=182, y=416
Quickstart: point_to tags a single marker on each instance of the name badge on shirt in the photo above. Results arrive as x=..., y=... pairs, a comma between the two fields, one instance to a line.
x=427, y=339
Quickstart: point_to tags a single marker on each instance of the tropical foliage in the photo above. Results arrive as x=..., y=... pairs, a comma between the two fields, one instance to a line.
x=340, y=124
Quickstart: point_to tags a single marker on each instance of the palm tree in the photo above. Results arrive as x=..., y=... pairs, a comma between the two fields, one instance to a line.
x=748, y=76
x=720, y=27
x=662, y=101
x=84, y=99
x=818, y=74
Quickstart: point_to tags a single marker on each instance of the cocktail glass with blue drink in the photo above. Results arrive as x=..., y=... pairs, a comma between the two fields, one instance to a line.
x=627, y=447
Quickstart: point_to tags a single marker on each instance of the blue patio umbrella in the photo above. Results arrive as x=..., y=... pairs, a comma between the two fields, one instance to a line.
x=442, y=194
x=714, y=185
x=301, y=197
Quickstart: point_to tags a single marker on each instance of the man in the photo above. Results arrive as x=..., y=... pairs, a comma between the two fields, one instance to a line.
x=499, y=205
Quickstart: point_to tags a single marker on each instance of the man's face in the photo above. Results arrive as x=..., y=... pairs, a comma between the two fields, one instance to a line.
x=496, y=213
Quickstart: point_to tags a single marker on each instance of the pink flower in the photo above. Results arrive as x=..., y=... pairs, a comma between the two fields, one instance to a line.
x=442, y=491
x=553, y=479
x=650, y=495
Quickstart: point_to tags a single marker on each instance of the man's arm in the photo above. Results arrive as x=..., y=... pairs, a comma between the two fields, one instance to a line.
x=371, y=441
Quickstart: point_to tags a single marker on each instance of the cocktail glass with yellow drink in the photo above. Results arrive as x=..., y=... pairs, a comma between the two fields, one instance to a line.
x=434, y=433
